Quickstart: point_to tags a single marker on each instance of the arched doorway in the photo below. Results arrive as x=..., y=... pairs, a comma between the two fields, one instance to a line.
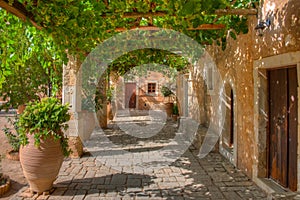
x=228, y=139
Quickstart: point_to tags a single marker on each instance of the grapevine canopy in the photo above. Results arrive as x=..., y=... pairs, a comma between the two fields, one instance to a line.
x=79, y=26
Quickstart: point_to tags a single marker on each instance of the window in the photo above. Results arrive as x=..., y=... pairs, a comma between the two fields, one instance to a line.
x=151, y=87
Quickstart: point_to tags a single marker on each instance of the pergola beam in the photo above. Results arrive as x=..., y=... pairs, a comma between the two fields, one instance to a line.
x=19, y=10
x=147, y=14
x=208, y=27
x=251, y=11
x=154, y=28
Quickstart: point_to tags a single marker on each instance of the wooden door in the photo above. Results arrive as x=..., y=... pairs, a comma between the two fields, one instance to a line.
x=231, y=141
x=283, y=126
x=228, y=128
x=130, y=95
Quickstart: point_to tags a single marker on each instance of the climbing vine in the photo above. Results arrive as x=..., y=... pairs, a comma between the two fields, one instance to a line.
x=163, y=59
x=80, y=25
x=30, y=62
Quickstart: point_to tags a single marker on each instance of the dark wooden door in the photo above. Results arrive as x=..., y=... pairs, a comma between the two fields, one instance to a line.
x=283, y=126
x=231, y=118
x=130, y=95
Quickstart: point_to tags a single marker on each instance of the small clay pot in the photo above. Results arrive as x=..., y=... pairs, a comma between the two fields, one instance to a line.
x=4, y=188
x=13, y=155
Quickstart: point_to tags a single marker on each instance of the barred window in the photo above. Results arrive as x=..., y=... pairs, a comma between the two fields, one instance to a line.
x=151, y=87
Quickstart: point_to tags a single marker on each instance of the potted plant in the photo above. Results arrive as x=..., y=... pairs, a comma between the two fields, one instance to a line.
x=13, y=138
x=167, y=92
x=4, y=184
x=43, y=143
x=175, y=112
x=109, y=96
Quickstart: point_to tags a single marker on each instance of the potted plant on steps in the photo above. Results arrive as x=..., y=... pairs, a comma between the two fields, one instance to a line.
x=166, y=92
x=43, y=144
x=4, y=184
x=175, y=112
x=13, y=138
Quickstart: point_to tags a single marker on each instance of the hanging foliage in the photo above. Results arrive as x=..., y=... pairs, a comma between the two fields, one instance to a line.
x=80, y=26
x=30, y=63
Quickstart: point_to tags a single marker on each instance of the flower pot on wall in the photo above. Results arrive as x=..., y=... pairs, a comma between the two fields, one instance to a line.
x=41, y=165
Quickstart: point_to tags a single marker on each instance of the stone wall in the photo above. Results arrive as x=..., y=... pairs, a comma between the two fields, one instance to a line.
x=236, y=66
x=284, y=33
x=277, y=46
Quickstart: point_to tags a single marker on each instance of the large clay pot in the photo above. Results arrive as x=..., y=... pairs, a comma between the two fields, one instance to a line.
x=110, y=115
x=169, y=109
x=41, y=165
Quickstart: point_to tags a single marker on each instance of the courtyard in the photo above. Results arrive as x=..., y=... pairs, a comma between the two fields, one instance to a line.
x=154, y=99
x=91, y=177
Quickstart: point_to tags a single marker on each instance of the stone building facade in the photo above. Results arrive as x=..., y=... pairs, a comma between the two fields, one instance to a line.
x=142, y=92
x=247, y=67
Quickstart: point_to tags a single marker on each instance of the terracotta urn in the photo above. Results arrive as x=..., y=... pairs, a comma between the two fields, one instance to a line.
x=41, y=165
x=169, y=108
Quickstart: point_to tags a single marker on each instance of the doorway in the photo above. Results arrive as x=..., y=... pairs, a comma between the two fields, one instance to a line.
x=283, y=121
x=228, y=129
x=130, y=95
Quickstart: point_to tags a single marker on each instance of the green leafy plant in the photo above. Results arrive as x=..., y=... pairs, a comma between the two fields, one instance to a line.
x=30, y=63
x=44, y=119
x=3, y=180
x=175, y=109
x=110, y=93
x=98, y=20
x=13, y=135
x=166, y=92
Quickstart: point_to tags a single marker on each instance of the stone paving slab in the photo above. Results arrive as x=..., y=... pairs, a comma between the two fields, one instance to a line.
x=177, y=181
x=112, y=177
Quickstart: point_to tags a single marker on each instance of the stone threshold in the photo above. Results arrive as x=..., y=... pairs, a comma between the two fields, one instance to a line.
x=274, y=190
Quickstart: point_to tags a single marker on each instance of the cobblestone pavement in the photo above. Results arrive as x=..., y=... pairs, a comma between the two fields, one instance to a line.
x=188, y=177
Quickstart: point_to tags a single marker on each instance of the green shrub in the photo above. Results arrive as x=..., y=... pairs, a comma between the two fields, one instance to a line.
x=13, y=136
x=175, y=109
x=166, y=92
x=43, y=119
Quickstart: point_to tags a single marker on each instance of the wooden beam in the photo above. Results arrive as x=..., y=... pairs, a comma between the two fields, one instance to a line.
x=144, y=28
x=154, y=28
x=251, y=11
x=20, y=11
x=208, y=27
x=147, y=14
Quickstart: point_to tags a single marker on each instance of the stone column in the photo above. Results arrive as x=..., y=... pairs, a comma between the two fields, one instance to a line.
x=102, y=101
x=72, y=95
x=83, y=121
